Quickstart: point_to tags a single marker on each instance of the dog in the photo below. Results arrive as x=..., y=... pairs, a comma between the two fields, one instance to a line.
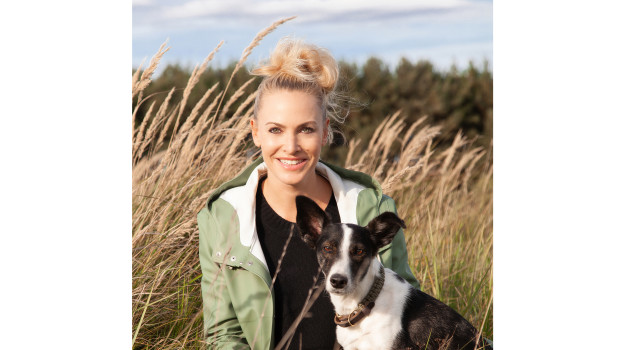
x=376, y=308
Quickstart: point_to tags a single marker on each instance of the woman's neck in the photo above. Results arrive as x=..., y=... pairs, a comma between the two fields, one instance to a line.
x=281, y=198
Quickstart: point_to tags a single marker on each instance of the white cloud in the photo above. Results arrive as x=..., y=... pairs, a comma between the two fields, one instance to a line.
x=308, y=11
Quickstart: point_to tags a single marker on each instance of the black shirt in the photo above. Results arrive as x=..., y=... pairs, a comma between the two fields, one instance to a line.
x=298, y=269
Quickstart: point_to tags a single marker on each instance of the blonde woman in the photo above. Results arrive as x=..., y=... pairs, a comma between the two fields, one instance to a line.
x=247, y=222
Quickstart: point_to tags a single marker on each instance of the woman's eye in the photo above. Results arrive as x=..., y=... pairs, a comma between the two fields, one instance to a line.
x=307, y=130
x=328, y=249
x=275, y=130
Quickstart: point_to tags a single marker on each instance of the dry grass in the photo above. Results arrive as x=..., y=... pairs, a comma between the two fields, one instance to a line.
x=445, y=198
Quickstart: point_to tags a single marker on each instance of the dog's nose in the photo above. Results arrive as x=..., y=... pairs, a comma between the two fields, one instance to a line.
x=338, y=281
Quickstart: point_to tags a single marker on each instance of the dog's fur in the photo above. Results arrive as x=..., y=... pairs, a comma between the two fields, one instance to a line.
x=403, y=317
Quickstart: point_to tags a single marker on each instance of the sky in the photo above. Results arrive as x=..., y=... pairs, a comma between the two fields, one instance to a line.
x=445, y=32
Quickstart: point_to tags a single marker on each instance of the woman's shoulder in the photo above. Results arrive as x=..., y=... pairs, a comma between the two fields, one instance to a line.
x=224, y=203
x=387, y=204
x=240, y=180
x=365, y=181
x=359, y=177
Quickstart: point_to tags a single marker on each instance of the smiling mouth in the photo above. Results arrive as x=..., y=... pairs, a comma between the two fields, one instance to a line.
x=291, y=162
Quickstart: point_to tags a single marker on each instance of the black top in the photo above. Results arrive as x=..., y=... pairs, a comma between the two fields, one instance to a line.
x=298, y=269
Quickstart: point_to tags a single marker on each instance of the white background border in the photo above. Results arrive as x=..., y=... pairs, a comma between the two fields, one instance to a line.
x=66, y=175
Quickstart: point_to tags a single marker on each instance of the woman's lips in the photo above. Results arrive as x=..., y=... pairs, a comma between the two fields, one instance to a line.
x=292, y=164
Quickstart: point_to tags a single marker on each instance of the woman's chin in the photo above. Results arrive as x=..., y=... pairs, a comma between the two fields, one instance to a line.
x=290, y=178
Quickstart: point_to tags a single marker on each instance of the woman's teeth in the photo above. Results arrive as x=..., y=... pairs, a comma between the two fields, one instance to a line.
x=290, y=162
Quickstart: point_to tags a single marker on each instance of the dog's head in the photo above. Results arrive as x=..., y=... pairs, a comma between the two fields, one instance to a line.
x=344, y=251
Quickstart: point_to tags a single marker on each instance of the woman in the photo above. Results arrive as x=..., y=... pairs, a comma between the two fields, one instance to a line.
x=246, y=226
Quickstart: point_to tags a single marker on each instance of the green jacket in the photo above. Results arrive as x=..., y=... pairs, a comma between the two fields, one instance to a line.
x=238, y=307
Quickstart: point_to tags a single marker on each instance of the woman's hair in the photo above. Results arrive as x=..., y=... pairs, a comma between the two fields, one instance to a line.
x=298, y=66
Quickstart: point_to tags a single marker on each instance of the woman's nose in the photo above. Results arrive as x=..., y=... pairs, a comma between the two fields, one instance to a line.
x=291, y=146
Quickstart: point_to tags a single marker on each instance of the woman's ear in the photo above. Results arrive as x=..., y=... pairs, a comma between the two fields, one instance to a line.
x=326, y=131
x=254, y=128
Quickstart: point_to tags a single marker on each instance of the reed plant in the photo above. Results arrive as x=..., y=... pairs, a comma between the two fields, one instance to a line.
x=180, y=156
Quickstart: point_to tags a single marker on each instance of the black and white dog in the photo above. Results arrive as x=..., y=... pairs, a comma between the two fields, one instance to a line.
x=376, y=308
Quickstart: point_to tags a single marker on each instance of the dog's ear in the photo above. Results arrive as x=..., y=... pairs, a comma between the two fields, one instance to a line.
x=311, y=220
x=384, y=227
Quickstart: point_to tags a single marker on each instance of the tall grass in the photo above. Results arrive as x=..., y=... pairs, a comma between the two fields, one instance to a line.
x=444, y=196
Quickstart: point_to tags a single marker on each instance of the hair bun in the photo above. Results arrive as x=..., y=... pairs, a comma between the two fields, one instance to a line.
x=293, y=59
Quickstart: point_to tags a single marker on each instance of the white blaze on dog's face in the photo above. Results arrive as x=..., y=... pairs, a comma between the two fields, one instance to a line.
x=336, y=262
x=345, y=253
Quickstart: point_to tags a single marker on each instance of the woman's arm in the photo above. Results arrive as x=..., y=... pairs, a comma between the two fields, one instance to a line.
x=394, y=255
x=221, y=326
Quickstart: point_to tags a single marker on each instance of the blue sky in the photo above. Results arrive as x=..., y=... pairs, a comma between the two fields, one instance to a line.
x=445, y=32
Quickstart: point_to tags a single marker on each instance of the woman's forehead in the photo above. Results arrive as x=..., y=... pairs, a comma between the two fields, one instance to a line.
x=289, y=107
x=297, y=97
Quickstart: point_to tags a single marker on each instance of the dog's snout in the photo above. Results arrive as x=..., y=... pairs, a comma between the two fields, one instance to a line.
x=338, y=281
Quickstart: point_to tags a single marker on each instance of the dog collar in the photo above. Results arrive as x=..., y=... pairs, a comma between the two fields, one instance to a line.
x=365, y=306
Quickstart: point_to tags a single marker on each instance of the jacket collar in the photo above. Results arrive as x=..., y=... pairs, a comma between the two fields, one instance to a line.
x=240, y=192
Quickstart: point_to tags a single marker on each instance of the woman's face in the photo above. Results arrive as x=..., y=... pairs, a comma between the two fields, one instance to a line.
x=290, y=131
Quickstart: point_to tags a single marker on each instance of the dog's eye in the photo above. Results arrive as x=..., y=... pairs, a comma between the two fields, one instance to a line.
x=359, y=252
x=328, y=249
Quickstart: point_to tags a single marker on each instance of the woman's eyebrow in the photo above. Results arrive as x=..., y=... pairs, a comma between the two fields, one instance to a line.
x=308, y=123
x=274, y=123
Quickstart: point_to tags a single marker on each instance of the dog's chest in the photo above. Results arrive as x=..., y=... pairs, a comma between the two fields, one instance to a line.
x=380, y=328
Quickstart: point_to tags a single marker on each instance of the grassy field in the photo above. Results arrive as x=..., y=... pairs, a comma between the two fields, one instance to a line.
x=445, y=197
